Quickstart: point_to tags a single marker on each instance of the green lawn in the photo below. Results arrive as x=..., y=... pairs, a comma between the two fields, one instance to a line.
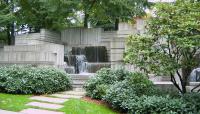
x=13, y=102
x=77, y=106
x=73, y=106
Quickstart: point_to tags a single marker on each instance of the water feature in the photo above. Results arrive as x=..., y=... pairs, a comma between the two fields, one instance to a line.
x=87, y=59
x=195, y=75
x=81, y=64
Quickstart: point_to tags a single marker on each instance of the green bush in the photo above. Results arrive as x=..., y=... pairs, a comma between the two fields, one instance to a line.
x=193, y=101
x=157, y=105
x=96, y=87
x=33, y=80
x=132, y=87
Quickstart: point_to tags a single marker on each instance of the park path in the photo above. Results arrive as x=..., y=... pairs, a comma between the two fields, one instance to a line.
x=49, y=103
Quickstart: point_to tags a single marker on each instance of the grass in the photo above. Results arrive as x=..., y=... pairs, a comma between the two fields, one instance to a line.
x=17, y=103
x=13, y=102
x=77, y=106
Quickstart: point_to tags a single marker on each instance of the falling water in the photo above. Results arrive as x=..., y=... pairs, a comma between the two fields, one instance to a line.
x=81, y=64
x=195, y=75
x=87, y=59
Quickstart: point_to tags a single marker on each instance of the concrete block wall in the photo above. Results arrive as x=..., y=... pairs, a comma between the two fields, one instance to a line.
x=42, y=48
x=49, y=54
x=44, y=37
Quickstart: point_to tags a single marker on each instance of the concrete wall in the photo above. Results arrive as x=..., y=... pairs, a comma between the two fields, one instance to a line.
x=44, y=37
x=81, y=36
x=113, y=40
x=53, y=53
x=35, y=48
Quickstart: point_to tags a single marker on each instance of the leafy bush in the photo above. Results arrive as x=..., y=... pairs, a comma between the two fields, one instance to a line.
x=96, y=87
x=193, y=100
x=32, y=80
x=132, y=87
x=157, y=105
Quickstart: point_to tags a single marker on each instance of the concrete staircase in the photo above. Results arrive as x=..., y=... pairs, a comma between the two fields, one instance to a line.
x=78, y=80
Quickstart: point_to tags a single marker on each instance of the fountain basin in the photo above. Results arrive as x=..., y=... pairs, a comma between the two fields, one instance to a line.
x=94, y=67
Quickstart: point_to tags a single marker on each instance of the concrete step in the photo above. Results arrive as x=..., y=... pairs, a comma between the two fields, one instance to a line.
x=82, y=76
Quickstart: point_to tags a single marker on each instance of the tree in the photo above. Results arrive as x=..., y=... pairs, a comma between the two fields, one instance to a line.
x=48, y=14
x=100, y=12
x=7, y=20
x=172, y=44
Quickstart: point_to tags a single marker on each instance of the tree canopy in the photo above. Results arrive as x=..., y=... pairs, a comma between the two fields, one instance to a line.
x=59, y=14
x=172, y=44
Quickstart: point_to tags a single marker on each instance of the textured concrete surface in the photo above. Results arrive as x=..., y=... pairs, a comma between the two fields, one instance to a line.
x=48, y=99
x=45, y=105
x=39, y=111
x=66, y=96
x=8, y=112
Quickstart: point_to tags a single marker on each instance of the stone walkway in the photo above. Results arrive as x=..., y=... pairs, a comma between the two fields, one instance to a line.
x=45, y=104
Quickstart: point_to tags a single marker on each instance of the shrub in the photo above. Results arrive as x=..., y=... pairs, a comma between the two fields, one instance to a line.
x=131, y=88
x=157, y=105
x=96, y=87
x=32, y=80
x=193, y=101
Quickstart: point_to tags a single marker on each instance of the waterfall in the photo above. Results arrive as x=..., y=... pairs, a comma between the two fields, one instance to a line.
x=87, y=59
x=81, y=64
x=195, y=75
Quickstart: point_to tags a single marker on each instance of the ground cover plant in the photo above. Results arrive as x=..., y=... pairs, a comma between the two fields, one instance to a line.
x=33, y=80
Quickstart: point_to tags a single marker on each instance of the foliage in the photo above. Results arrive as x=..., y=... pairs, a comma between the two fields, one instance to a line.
x=157, y=105
x=103, y=12
x=96, y=87
x=172, y=42
x=193, y=100
x=78, y=106
x=52, y=14
x=133, y=87
x=7, y=18
x=32, y=80
x=13, y=102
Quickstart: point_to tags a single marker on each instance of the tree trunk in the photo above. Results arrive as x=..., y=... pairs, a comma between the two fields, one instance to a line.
x=117, y=24
x=8, y=34
x=185, y=75
x=12, y=35
x=86, y=20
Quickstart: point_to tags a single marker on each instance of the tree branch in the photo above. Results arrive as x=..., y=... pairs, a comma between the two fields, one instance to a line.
x=175, y=83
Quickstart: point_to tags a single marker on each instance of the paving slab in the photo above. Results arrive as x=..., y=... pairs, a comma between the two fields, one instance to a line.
x=66, y=96
x=49, y=99
x=77, y=93
x=39, y=111
x=8, y=112
x=78, y=89
x=45, y=105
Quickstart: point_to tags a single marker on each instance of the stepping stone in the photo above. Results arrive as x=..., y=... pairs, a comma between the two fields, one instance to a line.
x=49, y=99
x=66, y=96
x=78, y=93
x=39, y=111
x=78, y=89
x=8, y=112
x=44, y=105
